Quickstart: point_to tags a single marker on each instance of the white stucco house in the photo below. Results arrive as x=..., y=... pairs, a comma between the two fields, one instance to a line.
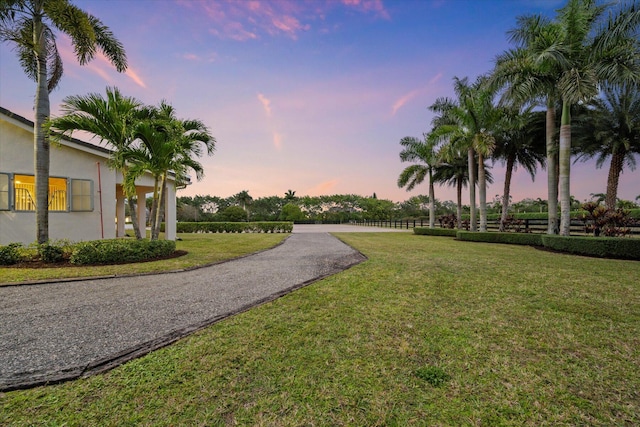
x=85, y=196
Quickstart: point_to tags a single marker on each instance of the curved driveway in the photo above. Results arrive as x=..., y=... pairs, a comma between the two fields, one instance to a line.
x=59, y=331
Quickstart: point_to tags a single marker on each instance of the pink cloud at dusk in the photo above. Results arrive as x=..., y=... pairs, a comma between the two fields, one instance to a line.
x=324, y=188
x=375, y=6
x=413, y=94
x=266, y=104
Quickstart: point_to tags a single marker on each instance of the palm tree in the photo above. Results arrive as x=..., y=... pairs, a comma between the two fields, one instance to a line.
x=424, y=152
x=290, y=196
x=244, y=199
x=519, y=143
x=468, y=123
x=29, y=25
x=590, y=53
x=612, y=129
x=529, y=75
x=113, y=120
x=168, y=145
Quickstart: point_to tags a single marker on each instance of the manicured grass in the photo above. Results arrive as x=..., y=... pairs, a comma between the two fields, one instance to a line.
x=202, y=249
x=428, y=331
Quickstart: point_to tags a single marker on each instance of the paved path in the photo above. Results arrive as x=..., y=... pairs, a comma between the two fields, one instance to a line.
x=59, y=331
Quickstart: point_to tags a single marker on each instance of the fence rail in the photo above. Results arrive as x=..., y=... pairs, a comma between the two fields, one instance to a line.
x=528, y=226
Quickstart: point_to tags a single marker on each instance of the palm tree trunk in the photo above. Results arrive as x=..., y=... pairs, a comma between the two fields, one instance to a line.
x=155, y=230
x=564, y=161
x=552, y=175
x=472, y=189
x=432, y=202
x=507, y=189
x=40, y=138
x=482, y=193
x=617, y=163
x=459, y=201
x=154, y=204
x=134, y=217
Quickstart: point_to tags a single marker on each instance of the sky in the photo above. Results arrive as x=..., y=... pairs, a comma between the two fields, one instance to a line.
x=305, y=95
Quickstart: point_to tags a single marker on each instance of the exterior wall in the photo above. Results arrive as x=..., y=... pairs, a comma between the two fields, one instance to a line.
x=69, y=160
x=16, y=157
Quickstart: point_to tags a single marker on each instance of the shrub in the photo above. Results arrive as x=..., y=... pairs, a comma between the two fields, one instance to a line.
x=424, y=231
x=120, y=251
x=235, y=227
x=10, y=254
x=51, y=252
x=493, y=237
x=603, y=247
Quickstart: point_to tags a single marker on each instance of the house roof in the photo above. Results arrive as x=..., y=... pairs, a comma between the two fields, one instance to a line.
x=30, y=124
x=82, y=145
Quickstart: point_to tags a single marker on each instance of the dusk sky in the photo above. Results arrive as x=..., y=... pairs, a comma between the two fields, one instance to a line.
x=312, y=96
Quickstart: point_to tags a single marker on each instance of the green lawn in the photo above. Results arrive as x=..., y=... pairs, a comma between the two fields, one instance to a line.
x=428, y=331
x=202, y=249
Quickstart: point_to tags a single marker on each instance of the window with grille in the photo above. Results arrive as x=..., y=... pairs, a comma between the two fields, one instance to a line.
x=24, y=187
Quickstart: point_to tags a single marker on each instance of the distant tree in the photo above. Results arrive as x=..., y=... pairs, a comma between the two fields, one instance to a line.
x=291, y=212
x=234, y=214
x=290, y=196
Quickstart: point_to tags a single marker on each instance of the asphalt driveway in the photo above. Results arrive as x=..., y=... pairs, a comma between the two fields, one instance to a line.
x=59, y=331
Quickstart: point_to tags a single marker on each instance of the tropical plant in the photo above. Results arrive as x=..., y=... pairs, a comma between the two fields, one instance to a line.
x=468, y=123
x=519, y=142
x=113, y=120
x=244, y=200
x=595, y=48
x=168, y=145
x=528, y=74
x=30, y=26
x=424, y=152
x=612, y=129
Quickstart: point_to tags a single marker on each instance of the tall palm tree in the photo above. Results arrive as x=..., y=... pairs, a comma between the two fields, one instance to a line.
x=168, y=145
x=528, y=74
x=468, y=123
x=30, y=26
x=113, y=120
x=595, y=48
x=519, y=142
x=612, y=129
x=424, y=152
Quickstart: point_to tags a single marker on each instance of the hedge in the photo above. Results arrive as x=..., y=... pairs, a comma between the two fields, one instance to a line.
x=120, y=251
x=497, y=237
x=424, y=231
x=235, y=227
x=603, y=247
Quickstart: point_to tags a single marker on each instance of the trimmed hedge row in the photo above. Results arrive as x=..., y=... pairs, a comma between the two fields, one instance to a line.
x=424, y=231
x=120, y=251
x=235, y=227
x=633, y=213
x=602, y=247
x=509, y=238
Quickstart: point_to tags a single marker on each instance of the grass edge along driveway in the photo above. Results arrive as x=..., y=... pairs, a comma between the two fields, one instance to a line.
x=428, y=331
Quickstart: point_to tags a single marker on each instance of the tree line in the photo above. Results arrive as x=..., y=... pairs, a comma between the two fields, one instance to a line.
x=570, y=87
x=339, y=208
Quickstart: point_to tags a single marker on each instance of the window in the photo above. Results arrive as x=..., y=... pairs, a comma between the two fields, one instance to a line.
x=25, y=193
x=81, y=195
x=4, y=192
